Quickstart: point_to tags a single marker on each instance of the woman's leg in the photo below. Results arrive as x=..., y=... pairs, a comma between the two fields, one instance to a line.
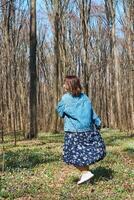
x=82, y=169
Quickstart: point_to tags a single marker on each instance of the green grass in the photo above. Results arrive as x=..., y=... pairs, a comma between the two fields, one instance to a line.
x=35, y=170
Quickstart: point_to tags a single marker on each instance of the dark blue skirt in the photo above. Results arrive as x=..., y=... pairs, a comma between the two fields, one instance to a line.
x=83, y=148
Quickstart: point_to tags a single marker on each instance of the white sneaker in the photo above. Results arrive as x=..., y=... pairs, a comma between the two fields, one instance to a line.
x=85, y=177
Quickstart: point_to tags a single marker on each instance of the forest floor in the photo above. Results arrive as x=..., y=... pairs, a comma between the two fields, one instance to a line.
x=34, y=170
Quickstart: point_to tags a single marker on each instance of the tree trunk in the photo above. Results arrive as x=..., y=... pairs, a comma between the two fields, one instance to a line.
x=85, y=7
x=33, y=72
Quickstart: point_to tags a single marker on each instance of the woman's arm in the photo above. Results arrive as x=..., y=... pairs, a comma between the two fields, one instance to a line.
x=96, y=119
x=60, y=108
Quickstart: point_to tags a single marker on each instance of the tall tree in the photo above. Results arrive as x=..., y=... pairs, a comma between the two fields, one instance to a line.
x=85, y=7
x=58, y=9
x=128, y=6
x=113, y=66
x=33, y=72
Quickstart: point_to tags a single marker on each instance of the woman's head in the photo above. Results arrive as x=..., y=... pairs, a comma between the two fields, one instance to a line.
x=72, y=85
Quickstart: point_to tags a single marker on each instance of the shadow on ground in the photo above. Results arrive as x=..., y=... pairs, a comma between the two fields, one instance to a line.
x=28, y=158
x=102, y=173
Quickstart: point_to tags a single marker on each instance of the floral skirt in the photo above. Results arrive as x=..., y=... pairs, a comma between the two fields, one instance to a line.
x=83, y=148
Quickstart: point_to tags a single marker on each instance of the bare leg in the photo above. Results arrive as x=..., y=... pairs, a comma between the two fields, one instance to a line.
x=82, y=169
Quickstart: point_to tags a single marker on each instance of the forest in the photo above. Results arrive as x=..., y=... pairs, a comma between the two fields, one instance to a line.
x=43, y=43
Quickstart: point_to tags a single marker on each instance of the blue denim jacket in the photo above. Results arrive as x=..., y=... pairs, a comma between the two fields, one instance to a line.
x=78, y=113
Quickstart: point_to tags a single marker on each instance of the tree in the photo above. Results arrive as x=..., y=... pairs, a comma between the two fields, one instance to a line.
x=113, y=66
x=33, y=72
x=85, y=7
x=128, y=6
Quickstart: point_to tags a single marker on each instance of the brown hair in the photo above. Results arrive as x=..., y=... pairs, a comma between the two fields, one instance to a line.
x=73, y=85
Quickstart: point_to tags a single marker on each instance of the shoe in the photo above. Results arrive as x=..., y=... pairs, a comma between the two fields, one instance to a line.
x=85, y=177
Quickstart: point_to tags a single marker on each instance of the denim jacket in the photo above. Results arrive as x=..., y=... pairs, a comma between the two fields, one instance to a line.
x=78, y=113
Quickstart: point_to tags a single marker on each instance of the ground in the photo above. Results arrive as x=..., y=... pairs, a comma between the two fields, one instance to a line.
x=34, y=170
